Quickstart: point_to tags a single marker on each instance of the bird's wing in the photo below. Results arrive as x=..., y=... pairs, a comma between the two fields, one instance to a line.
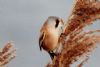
x=42, y=36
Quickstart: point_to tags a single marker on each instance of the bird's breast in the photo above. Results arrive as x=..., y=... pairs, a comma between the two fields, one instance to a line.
x=50, y=41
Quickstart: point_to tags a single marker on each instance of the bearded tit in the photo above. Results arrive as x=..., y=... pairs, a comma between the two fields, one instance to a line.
x=49, y=35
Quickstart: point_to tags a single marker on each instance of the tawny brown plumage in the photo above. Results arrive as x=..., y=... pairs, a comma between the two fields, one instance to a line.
x=50, y=33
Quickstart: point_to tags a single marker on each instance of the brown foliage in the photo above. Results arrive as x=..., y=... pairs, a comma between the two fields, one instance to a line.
x=78, y=43
x=7, y=54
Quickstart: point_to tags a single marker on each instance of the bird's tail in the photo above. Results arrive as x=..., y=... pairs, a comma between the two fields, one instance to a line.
x=52, y=54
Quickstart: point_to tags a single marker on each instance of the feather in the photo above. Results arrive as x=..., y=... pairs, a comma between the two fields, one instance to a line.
x=41, y=40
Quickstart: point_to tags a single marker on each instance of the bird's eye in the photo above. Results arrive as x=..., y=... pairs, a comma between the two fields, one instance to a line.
x=57, y=23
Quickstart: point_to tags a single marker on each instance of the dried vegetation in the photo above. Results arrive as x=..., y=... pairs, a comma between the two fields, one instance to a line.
x=77, y=43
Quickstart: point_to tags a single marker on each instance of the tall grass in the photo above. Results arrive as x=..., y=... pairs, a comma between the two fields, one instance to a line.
x=77, y=43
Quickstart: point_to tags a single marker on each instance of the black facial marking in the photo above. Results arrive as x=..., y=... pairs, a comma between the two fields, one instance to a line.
x=57, y=23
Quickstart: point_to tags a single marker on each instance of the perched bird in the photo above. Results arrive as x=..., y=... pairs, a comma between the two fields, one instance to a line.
x=49, y=35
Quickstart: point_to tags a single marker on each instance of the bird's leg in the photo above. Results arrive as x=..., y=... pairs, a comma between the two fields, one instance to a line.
x=63, y=35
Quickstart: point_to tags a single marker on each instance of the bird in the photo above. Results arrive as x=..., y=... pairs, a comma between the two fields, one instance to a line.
x=49, y=35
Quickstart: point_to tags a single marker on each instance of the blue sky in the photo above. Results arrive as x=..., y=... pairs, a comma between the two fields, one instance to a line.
x=20, y=21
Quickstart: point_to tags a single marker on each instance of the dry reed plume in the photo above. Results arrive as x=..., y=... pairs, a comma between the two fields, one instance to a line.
x=7, y=54
x=76, y=42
